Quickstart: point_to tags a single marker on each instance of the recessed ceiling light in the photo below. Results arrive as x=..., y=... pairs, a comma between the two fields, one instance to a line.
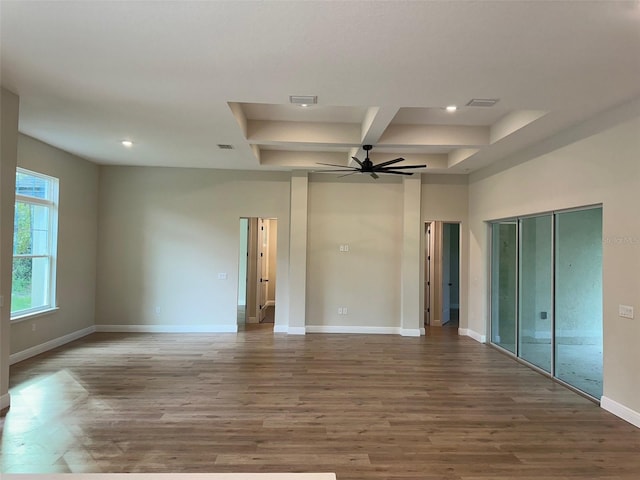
x=451, y=108
x=127, y=143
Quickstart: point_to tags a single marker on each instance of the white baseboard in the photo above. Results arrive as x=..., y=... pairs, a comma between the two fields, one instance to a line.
x=270, y=303
x=224, y=328
x=252, y=320
x=353, y=329
x=423, y=331
x=50, y=345
x=296, y=330
x=436, y=323
x=5, y=401
x=171, y=476
x=410, y=332
x=620, y=410
x=466, y=332
x=277, y=328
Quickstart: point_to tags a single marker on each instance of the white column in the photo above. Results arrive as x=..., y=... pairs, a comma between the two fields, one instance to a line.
x=9, y=104
x=298, y=253
x=411, y=316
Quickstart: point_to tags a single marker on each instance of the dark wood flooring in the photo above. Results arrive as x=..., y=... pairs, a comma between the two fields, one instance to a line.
x=365, y=407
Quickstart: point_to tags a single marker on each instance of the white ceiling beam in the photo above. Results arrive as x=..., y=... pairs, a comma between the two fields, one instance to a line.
x=301, y=159
x=435, y=135
x=376, y=121
x=513, y=122
x=277, y=132
x=241, y=119
x=459, y=155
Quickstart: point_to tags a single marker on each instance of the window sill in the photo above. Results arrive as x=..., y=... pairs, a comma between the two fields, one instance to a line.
x=30, y=316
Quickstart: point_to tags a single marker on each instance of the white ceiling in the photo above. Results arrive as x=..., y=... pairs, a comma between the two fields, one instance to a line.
x=180, y=77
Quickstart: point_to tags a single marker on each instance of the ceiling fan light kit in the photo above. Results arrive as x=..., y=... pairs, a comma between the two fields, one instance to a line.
x=366, y=166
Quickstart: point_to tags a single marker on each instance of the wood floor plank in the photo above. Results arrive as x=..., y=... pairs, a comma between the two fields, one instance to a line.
x=364, y=406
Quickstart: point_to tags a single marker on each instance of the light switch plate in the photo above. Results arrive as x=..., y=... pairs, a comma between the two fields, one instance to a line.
x=625, y=311
x=222, y=276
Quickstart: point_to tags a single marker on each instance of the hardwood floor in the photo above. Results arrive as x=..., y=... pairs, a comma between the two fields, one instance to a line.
x=365, y=407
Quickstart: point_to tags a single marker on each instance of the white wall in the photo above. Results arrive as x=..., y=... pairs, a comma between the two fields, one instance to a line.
x=601, y=168
x=77, y=238
x=166, y=233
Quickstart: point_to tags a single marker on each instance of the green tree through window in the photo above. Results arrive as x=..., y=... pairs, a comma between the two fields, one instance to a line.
x=34, y=243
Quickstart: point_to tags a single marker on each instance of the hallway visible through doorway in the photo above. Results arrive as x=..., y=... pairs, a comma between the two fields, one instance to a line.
x=442, y=274
x=257, y=270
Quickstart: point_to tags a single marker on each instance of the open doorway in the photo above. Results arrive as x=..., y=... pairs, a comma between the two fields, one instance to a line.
x=442, y=274
x=257, y=271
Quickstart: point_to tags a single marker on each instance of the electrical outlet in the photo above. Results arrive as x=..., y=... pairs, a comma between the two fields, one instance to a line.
x=222, y=276
x=339, y=310
x=344, y=310
x=625, y=311
x=342, y=248
x=543, y=315
x=346, y=248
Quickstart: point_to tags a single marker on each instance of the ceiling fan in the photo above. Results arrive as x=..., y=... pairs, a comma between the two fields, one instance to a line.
x=367, y=166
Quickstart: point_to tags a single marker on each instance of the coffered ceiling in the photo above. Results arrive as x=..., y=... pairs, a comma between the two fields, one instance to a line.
x=179, y=78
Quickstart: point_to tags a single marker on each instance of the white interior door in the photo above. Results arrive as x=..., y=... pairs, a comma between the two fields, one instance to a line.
x=427, y=275
x=446, y=273
x=262, y=269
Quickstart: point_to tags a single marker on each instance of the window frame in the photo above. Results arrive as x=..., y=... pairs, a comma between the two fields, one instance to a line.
x=51, y=203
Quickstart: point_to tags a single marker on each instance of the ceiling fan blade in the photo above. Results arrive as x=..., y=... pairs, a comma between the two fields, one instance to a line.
x=396, y=173
x=401, y=167
x=389, y=162
x=340, y=176
x=354, y=170
x=334, y=165
x=357, y=161
x=374, y=175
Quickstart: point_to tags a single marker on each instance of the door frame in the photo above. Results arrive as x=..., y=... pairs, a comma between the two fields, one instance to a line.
x=433, y=275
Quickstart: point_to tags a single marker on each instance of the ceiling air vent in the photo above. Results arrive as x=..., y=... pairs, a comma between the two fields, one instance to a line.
x=482, y=102
x=224, y=146
x=303, y=100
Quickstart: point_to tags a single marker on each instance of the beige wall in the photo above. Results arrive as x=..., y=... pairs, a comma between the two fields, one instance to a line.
x=77, y=237
x=367, y=216
x=9, y=105
x=601, y=168
x=166, y=233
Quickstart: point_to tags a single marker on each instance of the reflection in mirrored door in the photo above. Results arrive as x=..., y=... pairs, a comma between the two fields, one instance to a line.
x=504, y=268
x=535, y=292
